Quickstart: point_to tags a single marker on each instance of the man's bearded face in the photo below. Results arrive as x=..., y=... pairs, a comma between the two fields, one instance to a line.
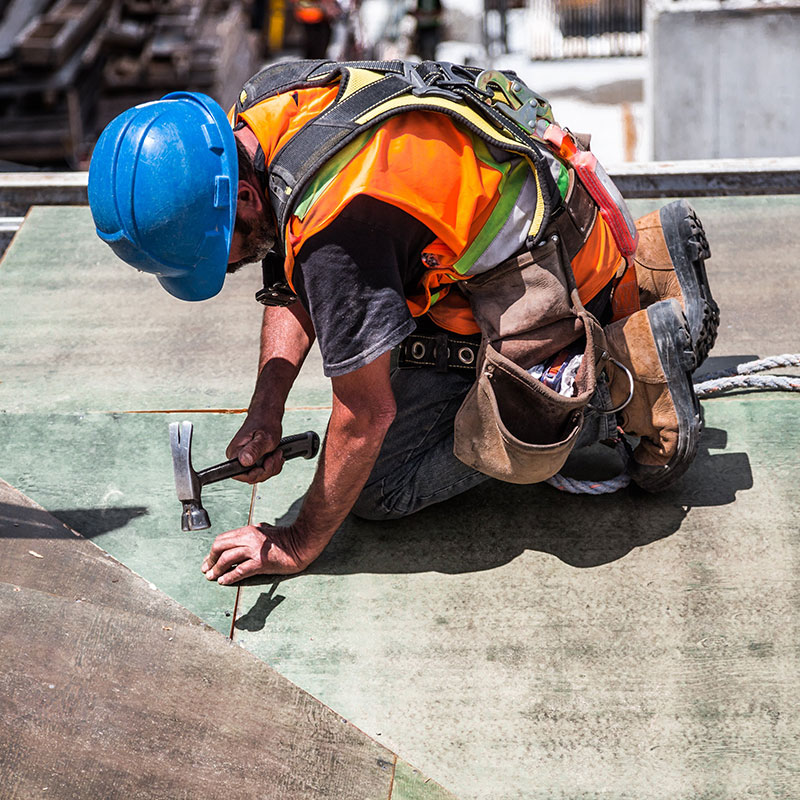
x=256, y=239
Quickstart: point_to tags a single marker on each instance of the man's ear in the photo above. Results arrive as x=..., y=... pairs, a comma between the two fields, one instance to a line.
x=248, y=198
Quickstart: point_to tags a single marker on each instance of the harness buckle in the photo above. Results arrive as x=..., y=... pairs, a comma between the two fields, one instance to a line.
x=276, y=290
x=442, y=81
x=526, y=108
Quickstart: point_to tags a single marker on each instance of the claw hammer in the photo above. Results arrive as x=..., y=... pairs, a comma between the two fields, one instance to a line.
x=190, y=483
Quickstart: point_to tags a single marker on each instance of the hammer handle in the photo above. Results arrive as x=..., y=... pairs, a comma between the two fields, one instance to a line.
x=300, y=444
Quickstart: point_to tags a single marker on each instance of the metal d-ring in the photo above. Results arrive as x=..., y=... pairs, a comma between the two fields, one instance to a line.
x=627, y=399
x=466, y=356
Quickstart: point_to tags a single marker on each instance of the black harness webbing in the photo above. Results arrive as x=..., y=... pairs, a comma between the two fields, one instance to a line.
x=370, y=100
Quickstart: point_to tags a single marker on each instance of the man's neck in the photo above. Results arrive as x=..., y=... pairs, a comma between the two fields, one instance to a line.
x=246, y=136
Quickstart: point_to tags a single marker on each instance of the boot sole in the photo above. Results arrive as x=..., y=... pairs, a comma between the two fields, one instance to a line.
x=688, y=248
x=674, y=344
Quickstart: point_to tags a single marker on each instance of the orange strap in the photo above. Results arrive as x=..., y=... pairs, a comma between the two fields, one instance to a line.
x=625, y=300
x=599, y=185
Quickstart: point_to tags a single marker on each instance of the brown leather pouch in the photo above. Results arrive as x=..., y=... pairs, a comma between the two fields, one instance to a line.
x=511, y=426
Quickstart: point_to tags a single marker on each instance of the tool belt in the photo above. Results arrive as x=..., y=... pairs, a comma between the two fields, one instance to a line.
x=512, y=426
x=442, y=350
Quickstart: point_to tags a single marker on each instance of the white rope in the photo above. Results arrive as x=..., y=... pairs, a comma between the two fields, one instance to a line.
x=710, y=385
x=759, y=365
x=774, y=383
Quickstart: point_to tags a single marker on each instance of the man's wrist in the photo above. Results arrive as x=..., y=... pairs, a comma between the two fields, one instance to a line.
x=271, y=390
x=307, y=543
x=265, y=407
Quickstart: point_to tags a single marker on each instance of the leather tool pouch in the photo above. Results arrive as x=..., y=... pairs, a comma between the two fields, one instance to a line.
x=511, y=426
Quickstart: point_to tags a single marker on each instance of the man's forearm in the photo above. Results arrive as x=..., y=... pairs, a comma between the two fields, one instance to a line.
x=346, y=460
x=363, y=410
x=286, y=338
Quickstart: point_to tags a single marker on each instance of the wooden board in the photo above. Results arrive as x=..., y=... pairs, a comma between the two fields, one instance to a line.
x=137, y=698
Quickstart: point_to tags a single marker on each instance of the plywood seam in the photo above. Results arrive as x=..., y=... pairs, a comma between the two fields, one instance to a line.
x=391, y=782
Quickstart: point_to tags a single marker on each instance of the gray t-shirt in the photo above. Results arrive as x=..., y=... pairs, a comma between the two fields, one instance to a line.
x=352, y=278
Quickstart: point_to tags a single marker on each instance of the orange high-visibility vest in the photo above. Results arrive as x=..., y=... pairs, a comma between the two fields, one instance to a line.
x=309, y=12
x=442, y=175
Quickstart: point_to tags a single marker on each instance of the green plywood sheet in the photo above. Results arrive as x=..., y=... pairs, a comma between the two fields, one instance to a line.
x=82, y=331
x=411, y=784
x=522, y=643
x=514, y=643
x=110, y=478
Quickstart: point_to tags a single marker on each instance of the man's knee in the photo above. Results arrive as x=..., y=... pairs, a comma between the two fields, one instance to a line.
x=373, y=505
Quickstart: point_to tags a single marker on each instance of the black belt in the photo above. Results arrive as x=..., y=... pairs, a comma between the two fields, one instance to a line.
x=440, y=350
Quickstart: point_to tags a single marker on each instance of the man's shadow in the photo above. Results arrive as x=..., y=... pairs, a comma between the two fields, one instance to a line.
x=496, y=522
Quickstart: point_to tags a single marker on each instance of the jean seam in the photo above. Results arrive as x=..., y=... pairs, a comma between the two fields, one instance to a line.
x=426, y=497
x=418, y=447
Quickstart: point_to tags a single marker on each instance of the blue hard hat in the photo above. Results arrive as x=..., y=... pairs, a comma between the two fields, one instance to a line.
x=162, y=188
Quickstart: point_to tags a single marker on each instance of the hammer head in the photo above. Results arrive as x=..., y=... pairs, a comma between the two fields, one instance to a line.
x=187, y=484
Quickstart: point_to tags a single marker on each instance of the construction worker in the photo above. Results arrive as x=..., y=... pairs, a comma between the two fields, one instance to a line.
x=315, y=18
x=473, y=255
x=428, y=18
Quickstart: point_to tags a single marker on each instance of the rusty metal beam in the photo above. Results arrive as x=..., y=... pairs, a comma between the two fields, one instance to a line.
x=50, y=39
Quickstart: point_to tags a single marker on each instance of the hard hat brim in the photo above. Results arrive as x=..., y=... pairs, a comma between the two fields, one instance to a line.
x=200, y=284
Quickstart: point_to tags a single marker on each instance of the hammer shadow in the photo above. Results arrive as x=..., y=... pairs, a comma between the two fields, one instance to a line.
x=27, y=522
x=496, y=522
x=256, y=617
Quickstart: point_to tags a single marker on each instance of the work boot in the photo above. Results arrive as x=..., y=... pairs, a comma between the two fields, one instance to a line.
x=655, y=345
x=670, y=262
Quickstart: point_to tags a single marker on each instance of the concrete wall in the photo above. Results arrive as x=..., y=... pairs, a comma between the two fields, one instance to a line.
x=725, y=83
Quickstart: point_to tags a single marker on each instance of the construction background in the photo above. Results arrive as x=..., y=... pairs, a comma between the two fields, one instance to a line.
x=67, y=67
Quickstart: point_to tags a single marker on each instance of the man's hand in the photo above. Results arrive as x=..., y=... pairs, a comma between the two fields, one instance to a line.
x=286, y=336
x=362, y=411
x=254, y=550
x=255, y=438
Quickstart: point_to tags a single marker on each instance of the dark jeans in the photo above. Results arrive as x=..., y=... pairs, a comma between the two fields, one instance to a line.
x=416, y=466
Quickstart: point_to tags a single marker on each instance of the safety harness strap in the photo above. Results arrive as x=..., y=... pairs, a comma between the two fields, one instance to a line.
x=442, y=350
x=371, y=92
x=302, y=156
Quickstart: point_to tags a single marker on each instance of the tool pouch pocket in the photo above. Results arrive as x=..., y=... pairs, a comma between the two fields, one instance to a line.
x=511, y=426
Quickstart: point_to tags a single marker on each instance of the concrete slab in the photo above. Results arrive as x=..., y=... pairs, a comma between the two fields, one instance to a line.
x=519, y=643
x=515, y=643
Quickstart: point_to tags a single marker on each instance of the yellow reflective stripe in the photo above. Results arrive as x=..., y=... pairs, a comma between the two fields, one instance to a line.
x=412, y=103
x=358, y=79
x=538, y=213
x=329, y=172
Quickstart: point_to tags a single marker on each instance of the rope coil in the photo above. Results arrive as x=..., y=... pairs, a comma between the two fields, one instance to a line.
x=742, y=376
